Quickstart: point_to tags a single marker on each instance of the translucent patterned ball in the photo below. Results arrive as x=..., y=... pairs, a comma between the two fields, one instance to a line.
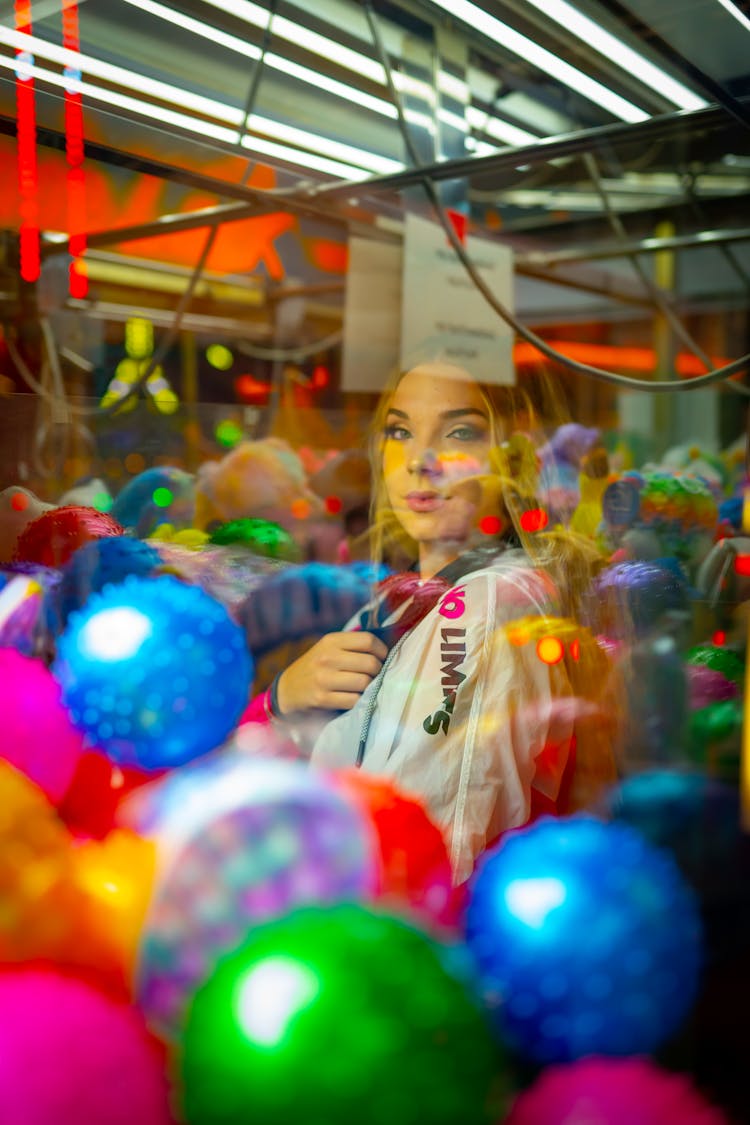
x=238, y=842
x=587, y=940
x=154, y=671
x=612, y=1092
x=331, y=1017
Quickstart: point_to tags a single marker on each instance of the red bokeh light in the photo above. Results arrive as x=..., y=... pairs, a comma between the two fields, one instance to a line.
x=535, y=519
x=333, y=505
x=490, y=525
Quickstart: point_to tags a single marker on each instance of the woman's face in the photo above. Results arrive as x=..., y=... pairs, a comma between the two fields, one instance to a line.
x=436, y=445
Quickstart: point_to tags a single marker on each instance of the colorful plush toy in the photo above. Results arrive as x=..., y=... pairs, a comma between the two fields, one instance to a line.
x=257, y=480
x=561, y=459
x=676, y=511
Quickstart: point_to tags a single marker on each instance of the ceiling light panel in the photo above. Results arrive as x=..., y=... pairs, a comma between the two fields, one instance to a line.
x=618, y=52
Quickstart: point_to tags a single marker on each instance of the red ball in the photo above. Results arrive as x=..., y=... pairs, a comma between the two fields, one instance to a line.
x=414, y=864
x=52, y=538
x=90, y=805
x=70, y=1054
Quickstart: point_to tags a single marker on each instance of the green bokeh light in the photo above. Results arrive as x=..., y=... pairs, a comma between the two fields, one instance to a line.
x=228, y=433
x=102, y=502
x=162, y=497
x=339, y=1015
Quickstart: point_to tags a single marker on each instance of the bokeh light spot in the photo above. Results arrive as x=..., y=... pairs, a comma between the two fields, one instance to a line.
x=490, y=525
x=550, y=650
x=135, y=463
x=19, y=502
x=535, y=519
x=300, y=509
x=219, y=356
x=228, y=433
x=102, y=502
x=719, y=638
x=333, y=505
x=162, y=497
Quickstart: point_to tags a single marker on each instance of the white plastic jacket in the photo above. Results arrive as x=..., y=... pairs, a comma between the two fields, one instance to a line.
x=461, y=713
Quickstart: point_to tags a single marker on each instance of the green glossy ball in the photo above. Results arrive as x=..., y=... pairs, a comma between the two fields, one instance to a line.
x=720, y=660
x=338, y=1016
x=264, y=537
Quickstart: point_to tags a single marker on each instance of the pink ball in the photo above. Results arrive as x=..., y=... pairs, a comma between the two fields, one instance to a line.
x=612, y=1092
x=38, y=738
x=708, y=685
x=70, y=1054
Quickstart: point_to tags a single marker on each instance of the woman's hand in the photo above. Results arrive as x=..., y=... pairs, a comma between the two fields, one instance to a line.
x=332, y=674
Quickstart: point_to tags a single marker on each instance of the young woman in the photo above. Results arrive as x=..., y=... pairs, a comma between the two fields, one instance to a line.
x=445, y=687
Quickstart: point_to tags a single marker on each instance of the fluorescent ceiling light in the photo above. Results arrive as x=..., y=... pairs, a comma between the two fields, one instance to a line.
x=276, y=62
x=132, y=105
x=511, y=40
x=734, y=11
x=321, y=147
x=327, y=49
x=500, y=130
x=335, y=149
x=303, y=37
x=200, y=129
x=308, y=160
x=613, y=49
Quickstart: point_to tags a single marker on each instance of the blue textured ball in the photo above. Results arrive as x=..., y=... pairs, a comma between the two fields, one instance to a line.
x=587, y=940
x=154, y=671
x=99, y=563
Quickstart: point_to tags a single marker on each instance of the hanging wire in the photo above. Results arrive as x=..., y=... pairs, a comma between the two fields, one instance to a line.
x=281, y=355
x=656, y=294
x=715, y=375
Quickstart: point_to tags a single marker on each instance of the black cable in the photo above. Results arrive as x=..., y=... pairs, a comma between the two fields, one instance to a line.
x=656, y=386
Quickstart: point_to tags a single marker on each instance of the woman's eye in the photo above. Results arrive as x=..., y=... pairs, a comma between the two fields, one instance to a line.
x=397, y=433
x=466, y=433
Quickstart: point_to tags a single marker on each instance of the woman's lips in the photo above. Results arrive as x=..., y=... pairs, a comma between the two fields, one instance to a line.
x=424, y=501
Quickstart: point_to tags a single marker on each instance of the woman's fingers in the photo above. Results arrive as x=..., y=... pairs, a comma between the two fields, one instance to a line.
x=339, y=665
x=360, y=641
x=350, y=682
x=342, y=700
x=360, y=662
